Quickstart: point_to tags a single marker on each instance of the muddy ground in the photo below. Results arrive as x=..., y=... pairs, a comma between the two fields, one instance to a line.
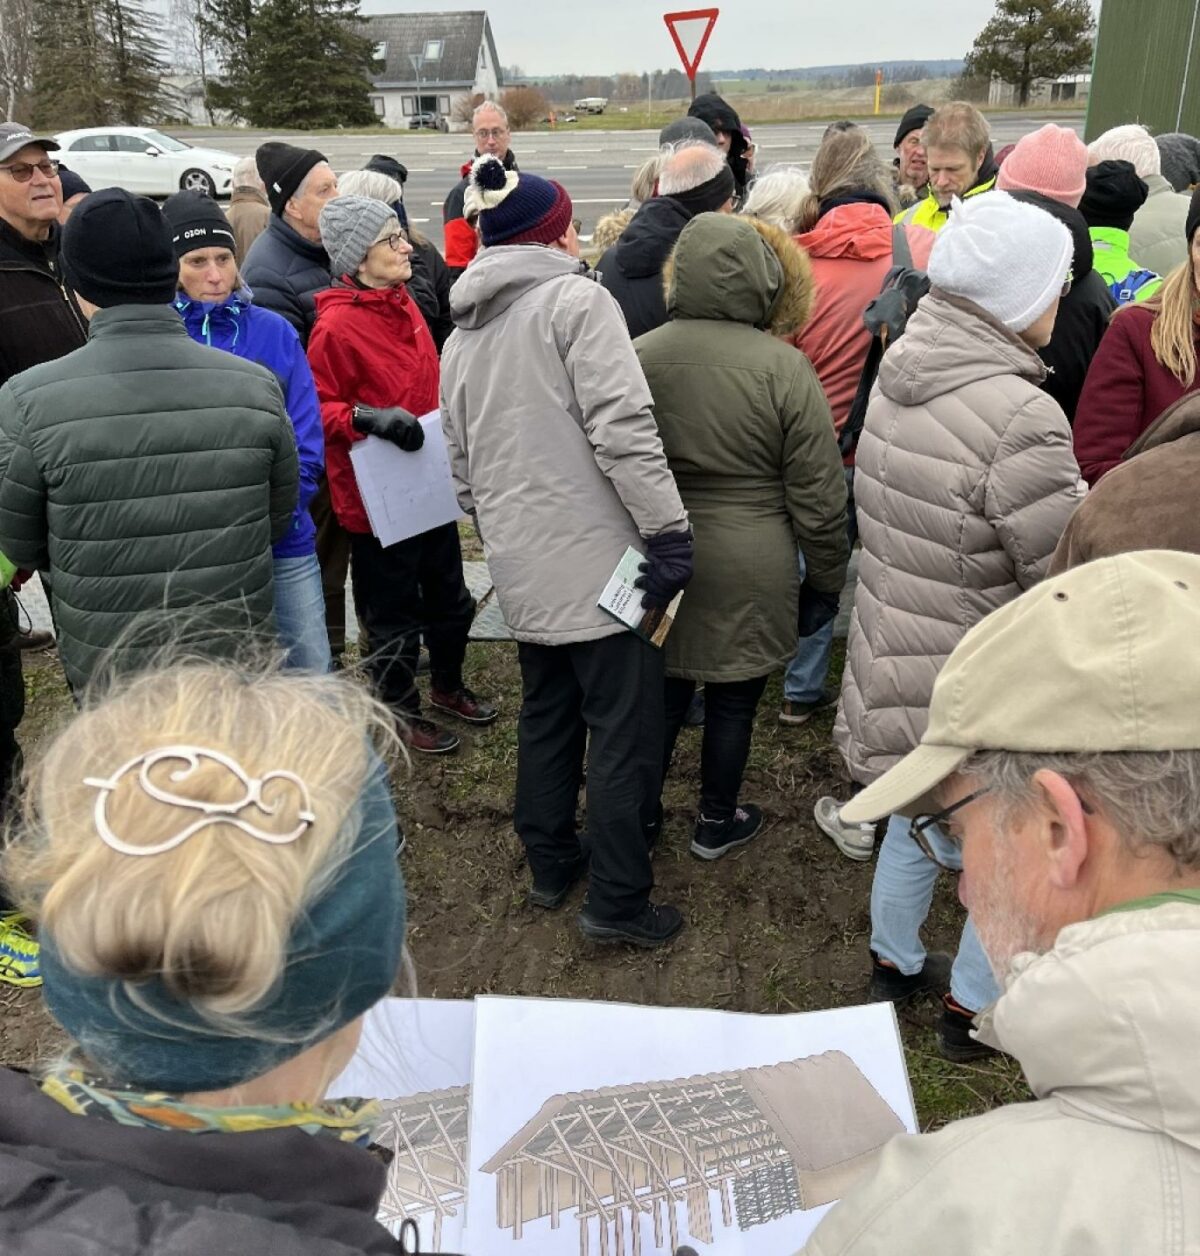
x=780, y=926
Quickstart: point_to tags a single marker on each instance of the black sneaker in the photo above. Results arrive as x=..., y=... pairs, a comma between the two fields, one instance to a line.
x=954, y=1034
x=714, y=838
x=890, y=985
x=655, y=924
x=551, y=893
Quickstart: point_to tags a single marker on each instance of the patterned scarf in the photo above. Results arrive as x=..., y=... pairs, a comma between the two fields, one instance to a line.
x=348, y=1120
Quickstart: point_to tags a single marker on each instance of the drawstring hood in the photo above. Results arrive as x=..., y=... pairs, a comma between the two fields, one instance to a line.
x=202, y=318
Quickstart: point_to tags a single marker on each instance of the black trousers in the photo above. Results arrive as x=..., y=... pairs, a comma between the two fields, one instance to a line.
x=411, y=588
x=729, y=709
x=333, y=554
x=611, y=692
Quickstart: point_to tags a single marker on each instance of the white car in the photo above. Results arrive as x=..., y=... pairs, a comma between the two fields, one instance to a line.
x=141, y=159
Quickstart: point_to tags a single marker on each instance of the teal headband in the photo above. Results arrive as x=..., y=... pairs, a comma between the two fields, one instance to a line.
x=342, y=958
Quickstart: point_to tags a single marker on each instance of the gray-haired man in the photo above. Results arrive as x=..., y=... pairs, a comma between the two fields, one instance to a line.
x=1063, y=757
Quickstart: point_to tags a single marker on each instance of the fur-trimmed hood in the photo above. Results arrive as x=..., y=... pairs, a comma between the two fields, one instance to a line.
x=740, y=270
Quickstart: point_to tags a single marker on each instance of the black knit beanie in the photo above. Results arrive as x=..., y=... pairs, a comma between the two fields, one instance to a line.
x=197, y=222
x=282, y=168
x=116, y=250
x=381, y=163
x=1193, y=217
x=709, y=195
x=913, y=120
x=1113, y=195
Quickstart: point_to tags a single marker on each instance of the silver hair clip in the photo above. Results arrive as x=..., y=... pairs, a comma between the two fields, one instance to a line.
x=213, y=812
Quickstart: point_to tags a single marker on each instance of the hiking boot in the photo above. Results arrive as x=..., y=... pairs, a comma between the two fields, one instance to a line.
x=855, y=841
x=550, y=893
x=425, y=737
x=18, y=953
x=35, y=639
x=695, y=712
x=793, y=714
x=655, y=924
x=890, y=985
x=714, y=838
x=463, y=704
x=954, y=1034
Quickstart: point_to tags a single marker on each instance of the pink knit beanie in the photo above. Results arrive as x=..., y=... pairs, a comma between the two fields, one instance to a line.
x=1052, y=161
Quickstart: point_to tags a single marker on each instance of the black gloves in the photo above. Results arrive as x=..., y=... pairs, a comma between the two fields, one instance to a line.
x=816, y=609
x=392, y=424
x=667, y=569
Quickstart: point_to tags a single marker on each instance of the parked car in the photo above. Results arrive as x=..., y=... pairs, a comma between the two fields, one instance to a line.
x=141, y=159
x=425, y=121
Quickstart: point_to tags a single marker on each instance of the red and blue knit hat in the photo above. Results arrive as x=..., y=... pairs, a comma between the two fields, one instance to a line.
x=516, y=208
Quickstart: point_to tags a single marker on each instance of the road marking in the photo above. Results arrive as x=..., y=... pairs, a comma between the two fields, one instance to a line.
x=554, y=165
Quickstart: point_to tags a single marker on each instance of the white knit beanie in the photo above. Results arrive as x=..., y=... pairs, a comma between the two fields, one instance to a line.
x=1008, y=257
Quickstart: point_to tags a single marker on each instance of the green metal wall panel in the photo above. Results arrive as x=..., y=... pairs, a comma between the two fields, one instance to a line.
x=1147, y=66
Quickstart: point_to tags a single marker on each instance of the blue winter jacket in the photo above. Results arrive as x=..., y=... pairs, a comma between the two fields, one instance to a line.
x=261, y=336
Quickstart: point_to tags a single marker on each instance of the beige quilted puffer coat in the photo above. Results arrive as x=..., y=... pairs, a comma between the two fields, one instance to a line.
x=964, y=481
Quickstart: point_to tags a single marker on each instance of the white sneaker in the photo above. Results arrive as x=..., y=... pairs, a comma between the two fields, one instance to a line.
x=855, y=841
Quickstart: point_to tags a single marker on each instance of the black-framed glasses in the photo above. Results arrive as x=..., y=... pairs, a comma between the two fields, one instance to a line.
x=393, y=240
x=22, y=171
x=918, y=830
x=1070, y=279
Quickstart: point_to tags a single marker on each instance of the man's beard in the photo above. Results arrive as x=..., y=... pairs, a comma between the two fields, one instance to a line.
x=1005, y=928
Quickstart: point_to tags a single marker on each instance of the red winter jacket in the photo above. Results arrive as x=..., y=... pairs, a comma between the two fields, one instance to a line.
x=851, y=251
x=1126, y=389
x=369, y=345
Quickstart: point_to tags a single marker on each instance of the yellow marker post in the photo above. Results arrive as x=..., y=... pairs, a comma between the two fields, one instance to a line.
x=878, y=89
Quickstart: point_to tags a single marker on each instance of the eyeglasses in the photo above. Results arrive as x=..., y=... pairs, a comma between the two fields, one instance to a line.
x=22, y=171
x=495, y=133
x=394, y=239
x=918, y=830
x=1070, y=279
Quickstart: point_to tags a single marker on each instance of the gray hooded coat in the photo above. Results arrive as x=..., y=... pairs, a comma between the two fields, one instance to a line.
x=964, y=482
x=552, y=442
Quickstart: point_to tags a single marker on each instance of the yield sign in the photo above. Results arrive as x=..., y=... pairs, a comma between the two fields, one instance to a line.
x=690, y=30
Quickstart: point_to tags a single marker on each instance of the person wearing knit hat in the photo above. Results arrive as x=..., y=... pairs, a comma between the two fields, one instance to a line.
x=686, y=128
x=211, y=952
x=219, y=311
x=182, y=441
x=1180, y=156
x=693, y=178
x=910, y=168
x=74, y=189
x=390, y=166
x=1114, y=195
x=962, y=445
x=1052, y=161
x=554, y=449
x=376, y=370
x=961, y=163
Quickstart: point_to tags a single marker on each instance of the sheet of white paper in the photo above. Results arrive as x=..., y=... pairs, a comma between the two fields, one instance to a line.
x=418, y=1052
x=406, y=494
x=528, y=1162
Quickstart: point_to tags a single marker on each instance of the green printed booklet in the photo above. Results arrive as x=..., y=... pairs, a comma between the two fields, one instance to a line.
x=623, y=601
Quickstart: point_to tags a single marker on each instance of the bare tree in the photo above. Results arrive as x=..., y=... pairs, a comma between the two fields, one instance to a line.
x=16, y=53
x=189, y=44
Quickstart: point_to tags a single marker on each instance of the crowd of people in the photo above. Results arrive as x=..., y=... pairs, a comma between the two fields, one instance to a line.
x=978, y=369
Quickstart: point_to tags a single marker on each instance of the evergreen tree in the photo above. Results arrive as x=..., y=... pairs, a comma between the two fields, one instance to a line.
x=226, y=26
x=304, y=64
x=1027, y=40
x=136, y=67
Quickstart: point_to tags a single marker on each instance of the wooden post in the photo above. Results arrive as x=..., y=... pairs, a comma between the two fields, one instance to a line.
x=554, y=1217
x=726, y=1203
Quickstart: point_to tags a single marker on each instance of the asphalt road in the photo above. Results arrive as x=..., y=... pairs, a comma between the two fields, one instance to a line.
x=594, y=166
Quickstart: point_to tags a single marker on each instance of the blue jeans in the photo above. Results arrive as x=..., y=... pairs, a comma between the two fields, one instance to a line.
x=300, y=613
x=900, y=897
x=804, y=680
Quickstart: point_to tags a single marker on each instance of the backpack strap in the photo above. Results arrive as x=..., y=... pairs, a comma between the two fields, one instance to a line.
x=901, y=250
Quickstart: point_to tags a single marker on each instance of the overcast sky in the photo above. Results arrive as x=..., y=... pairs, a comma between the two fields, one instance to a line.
x=609, y=36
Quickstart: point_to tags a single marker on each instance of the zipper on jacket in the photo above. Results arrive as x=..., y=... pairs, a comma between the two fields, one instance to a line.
x=66, y=296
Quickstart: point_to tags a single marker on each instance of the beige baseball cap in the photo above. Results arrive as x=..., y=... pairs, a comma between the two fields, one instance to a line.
x=1101, y=658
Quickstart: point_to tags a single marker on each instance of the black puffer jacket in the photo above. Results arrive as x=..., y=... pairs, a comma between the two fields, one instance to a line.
x=89, y=1186
x=150, y=475
x=285, y=272
x=1083, y=314
x=38, y=317
x=722, y=116
x=632, y=269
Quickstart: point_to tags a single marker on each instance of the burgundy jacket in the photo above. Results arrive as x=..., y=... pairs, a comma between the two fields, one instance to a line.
x=1127, y=388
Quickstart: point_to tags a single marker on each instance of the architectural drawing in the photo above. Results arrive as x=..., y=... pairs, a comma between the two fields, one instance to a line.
x=767, y=1141
x=427, y=1136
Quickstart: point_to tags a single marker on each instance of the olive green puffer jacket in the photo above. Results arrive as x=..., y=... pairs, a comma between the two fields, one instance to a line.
x=149, y=476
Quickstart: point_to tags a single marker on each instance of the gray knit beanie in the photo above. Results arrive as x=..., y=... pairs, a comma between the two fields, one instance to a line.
x=349, y=226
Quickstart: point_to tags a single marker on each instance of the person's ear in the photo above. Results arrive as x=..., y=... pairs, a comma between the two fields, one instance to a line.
x=1064, y=829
